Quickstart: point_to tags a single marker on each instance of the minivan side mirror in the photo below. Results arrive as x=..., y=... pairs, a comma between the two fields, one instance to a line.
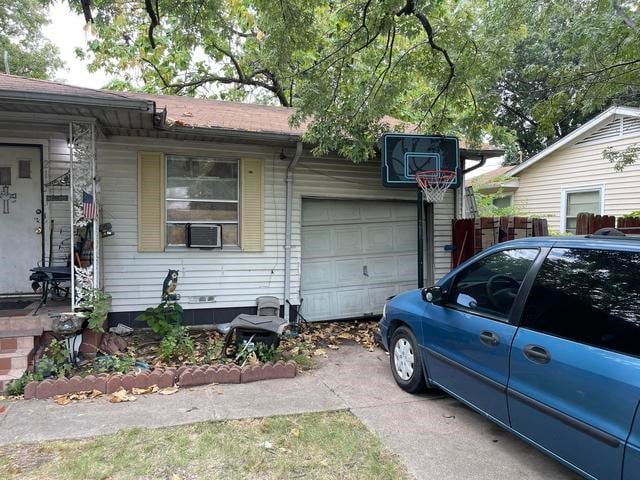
x=433, y=295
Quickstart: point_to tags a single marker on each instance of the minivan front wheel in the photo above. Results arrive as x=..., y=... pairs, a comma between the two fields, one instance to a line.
x=406, y=364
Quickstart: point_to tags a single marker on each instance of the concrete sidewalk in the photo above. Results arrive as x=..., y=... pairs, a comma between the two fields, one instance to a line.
x=435, y=435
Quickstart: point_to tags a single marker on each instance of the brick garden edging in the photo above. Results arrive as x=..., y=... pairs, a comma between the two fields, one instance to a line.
x=163, y=378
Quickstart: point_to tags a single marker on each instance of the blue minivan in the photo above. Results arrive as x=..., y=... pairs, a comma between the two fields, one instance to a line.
x=542, y=336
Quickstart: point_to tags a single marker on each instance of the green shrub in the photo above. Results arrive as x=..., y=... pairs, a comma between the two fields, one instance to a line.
x=16, y=387
x=177, y=345
x=164, y=318
x=113, y=363
x=262, y=353
x=55, y=360
x=97, y=303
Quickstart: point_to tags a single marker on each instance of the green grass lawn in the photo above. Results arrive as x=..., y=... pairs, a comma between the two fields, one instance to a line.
x=319, y=446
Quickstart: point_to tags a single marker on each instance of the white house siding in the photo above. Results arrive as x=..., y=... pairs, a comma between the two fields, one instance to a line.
x=579, y=166
x=232, y=277
x=56, y=163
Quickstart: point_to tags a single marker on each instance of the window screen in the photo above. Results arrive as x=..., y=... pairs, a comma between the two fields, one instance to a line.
x=581, y=202
x=24, y=169
x=490, y=285
x=201, y=191
x=589, y=296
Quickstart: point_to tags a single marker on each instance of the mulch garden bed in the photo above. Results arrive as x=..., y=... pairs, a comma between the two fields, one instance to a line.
x=152, y=373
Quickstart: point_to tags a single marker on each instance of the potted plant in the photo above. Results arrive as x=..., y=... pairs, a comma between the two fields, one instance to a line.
x=96, y=305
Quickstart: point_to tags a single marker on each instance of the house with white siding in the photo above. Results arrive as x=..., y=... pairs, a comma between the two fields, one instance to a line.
x=167, y=173
x=572, y=175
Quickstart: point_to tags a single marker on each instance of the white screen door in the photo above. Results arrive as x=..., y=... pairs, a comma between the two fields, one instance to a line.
x=20, y=202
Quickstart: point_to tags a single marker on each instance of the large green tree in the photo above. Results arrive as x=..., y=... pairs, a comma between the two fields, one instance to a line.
x=517, y=72
x=578, y=58
x=28, y=53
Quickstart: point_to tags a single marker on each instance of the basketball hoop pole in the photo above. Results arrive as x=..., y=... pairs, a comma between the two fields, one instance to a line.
x=420, y=208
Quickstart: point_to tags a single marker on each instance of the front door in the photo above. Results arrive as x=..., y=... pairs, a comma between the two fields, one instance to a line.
x=575, y=368
x=20, y=217
x=467, y=341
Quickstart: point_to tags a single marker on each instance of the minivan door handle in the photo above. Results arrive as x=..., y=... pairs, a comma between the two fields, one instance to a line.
x=489, y=338
x=536, y=354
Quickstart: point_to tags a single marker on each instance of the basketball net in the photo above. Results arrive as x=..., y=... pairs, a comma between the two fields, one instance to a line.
x=434, y=183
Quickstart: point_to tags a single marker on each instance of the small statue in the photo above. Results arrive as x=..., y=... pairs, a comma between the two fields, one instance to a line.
x=169, y=286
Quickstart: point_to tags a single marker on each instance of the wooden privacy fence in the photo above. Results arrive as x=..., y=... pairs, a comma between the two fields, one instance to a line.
x=587, y=223
x=471, y=235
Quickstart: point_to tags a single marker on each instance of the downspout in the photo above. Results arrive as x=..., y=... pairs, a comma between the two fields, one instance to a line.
x=287, y=232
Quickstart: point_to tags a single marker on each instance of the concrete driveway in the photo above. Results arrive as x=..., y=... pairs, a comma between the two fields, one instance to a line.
x=436, y=436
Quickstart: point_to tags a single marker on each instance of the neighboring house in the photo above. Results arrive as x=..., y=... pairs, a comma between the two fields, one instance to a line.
x=571, y=176
x=294, y=226
x=494, y=182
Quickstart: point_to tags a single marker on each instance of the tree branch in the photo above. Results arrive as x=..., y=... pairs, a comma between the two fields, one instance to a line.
x=154, y=17
x=410, y=9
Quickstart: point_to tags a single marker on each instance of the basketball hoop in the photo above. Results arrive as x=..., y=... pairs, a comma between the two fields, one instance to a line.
x=434, y=183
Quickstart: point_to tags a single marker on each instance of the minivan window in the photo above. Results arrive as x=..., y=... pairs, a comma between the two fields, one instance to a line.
x=589, y=296
x=490, y=285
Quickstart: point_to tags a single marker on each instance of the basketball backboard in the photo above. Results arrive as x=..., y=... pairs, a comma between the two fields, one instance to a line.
x=405, y=154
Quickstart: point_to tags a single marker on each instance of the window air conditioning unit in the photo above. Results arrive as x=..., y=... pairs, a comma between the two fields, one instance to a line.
x=204, y=236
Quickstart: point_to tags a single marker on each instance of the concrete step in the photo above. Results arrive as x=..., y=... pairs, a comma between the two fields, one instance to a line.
x=41, y=321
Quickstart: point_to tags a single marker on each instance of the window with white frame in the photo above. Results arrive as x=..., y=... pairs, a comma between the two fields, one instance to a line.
x=585, y=201
x=201, y=190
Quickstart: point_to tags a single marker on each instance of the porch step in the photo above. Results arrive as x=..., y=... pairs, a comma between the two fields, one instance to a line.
x=18, y=360
x=14, y=325
x=16, y=343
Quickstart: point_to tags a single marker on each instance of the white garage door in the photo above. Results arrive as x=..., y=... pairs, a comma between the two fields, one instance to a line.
x=355, y=254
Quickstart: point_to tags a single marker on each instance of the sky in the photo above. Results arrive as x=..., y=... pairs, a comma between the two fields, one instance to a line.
x=67, y=31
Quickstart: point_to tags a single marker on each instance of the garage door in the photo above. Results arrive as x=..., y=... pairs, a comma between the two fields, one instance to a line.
x=355, y=254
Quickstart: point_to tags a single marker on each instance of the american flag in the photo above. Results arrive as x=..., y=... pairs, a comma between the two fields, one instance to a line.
x=88, y=206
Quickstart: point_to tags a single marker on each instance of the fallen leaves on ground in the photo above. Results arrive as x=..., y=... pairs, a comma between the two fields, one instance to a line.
x=144, y=391
x=168, y=390
x=144, y=345
x=67, y=398
x=3, y=409
x=122, y=395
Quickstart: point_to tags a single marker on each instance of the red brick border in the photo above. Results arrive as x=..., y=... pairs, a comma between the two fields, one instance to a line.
x=163, y=378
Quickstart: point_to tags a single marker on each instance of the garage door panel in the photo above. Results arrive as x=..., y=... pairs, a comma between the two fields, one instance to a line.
x=349, y=272
x=315, y=213
x=405, y=211
x=382, y=269
x=379, y=239
x=355, y=254
x=352, y=301
x=342, y=211
x=382, y=212
x=407, y=267
x=319, y=305
x=378, y=296
x=404, y=238
x=317, y=242
x=348, y=240
x=318, y=274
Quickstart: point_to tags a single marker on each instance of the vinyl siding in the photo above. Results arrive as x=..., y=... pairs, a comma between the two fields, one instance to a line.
x=579, y=166
x=234, y=278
